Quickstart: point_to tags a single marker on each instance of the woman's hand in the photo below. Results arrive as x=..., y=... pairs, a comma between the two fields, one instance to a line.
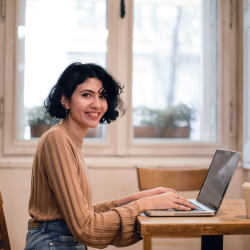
x=142, y=194
x=164, y=201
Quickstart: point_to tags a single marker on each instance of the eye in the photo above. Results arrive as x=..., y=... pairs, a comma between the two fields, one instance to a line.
x=86, y=95
x=103, y=96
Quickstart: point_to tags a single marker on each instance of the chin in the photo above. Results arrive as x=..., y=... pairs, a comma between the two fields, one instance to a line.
x=93, y=126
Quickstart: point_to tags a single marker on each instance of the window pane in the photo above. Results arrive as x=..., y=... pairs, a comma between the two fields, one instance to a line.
x=175, y=69
x=52, y=34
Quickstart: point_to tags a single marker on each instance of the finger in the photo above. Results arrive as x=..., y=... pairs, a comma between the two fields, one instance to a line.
x=182, y=198
x=190, y=204
x=170, y=189
x=180, y=207
x=171, y=192
x=185, y=203
x=165, y=190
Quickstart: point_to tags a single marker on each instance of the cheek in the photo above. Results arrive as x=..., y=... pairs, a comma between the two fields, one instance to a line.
x=80, y=104
x=78, y=107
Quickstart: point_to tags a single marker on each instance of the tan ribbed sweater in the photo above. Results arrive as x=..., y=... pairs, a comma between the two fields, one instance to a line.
x=61, y=189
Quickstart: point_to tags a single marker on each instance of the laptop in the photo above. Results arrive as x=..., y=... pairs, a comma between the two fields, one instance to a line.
x=213, y=188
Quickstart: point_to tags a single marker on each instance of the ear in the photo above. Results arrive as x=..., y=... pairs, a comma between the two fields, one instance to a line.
x=64, y=101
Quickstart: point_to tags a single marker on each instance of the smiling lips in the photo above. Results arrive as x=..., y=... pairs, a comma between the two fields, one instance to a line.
x=93, y=115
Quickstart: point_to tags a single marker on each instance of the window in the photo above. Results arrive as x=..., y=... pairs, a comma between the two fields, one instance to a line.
x=49, y=39
x=175, y=69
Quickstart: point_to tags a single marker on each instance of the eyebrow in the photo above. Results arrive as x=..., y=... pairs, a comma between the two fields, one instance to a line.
x=91, y=91
x=88, y=90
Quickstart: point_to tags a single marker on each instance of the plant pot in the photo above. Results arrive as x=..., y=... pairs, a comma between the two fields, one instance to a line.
x=38, y=130
x=145, y=132
x=166, y=132
x=178, y=132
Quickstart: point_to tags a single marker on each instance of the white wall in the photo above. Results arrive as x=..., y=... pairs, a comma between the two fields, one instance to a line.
x=108, y=183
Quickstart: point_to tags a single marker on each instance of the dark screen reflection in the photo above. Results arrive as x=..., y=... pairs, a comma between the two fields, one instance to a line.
x=218, y=178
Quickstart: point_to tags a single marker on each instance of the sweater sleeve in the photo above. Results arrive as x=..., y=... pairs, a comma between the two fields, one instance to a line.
x=114, y=227
x=104, y=206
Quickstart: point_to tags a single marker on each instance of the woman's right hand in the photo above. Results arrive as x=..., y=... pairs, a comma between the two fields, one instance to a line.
x=165, y=201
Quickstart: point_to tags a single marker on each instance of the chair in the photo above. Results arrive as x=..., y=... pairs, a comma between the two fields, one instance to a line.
x=4, y=238
x=178, y=179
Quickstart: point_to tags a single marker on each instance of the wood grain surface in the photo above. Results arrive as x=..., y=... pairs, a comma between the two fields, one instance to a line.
x=230, y=220
x=4, y=237
x=182, y=179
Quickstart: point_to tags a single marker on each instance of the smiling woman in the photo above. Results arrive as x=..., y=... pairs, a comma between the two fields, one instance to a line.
x=61, y=197
x=87, y=106
x=83, y=82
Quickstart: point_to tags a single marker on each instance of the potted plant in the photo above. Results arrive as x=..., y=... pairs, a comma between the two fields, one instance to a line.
x=172, y=122
x=39, y=121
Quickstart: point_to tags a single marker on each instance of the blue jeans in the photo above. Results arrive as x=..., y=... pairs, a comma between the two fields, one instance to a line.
x=51, y=235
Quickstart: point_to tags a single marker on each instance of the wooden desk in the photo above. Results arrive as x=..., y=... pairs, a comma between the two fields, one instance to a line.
x=230, y=220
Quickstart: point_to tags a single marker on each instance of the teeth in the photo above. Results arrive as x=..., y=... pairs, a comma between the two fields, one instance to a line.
x=93, y=114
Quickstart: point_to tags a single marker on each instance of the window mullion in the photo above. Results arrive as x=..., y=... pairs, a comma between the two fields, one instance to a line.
x=120, y=56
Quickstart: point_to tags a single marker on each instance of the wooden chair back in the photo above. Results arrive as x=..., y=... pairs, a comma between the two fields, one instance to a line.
x=4, y=238
x=178, y=179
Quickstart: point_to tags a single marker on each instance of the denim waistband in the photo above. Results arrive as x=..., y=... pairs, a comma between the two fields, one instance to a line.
x=56, y=225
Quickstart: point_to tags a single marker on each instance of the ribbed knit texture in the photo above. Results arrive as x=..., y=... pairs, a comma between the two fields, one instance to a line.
x=61, y=189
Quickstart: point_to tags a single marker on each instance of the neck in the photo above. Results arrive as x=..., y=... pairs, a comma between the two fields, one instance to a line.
x=74, y=127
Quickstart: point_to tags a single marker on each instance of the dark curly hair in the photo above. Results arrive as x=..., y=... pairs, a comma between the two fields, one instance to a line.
x=77, y=73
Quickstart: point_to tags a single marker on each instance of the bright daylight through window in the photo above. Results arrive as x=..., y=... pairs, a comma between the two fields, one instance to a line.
x=53, y=34
x=174, y=72
x=174, y=65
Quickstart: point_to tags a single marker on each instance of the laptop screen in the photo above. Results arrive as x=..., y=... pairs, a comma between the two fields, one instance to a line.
x=218, y=177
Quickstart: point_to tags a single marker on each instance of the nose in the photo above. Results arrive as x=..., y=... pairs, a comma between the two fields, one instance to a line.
x=96, y=103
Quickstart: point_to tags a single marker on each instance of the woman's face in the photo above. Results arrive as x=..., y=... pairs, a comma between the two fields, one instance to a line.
x=87, y=105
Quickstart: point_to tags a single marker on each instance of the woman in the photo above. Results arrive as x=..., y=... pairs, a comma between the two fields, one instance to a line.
x=60, y=205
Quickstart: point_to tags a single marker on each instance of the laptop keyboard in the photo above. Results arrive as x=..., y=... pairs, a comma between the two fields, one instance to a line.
x=198, y=209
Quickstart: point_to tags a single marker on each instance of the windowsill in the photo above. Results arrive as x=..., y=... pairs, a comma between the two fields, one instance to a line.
x=122, y=162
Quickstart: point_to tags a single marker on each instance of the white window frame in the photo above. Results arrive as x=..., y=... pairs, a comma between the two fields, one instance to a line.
x=119, y=134
x=246, y=84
